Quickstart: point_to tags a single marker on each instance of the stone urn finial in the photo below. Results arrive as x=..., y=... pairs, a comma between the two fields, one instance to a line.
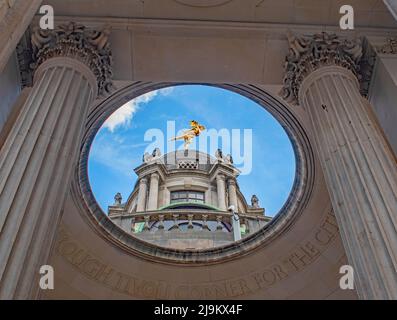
x=117, y=199
x=254, y=201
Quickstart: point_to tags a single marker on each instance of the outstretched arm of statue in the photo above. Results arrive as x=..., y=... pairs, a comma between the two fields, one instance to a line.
x=186, y=135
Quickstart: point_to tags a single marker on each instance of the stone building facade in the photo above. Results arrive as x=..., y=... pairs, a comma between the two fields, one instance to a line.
x=332, y=90
x=186, y=199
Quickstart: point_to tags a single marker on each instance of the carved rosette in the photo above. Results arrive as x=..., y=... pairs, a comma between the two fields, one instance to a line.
x=309, y=53
x=91, y=47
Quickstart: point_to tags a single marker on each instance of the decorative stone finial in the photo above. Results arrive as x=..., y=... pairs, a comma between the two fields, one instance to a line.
x=147, y=157
x=219, y=155
x=76, y=41
x=309, y=53
x=254, y=201
x=117, y=199
x=229, y=159
x=156, y=153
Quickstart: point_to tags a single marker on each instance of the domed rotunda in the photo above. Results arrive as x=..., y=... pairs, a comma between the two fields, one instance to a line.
x=187, y=200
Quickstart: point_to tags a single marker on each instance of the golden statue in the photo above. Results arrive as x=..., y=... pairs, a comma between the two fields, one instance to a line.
x=188, y=135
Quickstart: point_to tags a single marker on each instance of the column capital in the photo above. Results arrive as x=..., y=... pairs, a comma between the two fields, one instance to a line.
x=231, y=182
x=71, y=40
x=155, y=175
x=310, y=53
x=143, y=180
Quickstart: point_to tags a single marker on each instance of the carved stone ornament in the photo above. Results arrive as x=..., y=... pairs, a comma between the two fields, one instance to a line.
x=389, y=48
x=24, y=56
x=309, y=53
x=254, y=201
x=117, y=199
x=76, y=41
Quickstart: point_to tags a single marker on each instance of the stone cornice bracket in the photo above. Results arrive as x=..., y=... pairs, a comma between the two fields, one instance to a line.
x=75, y=41
x=309, y=53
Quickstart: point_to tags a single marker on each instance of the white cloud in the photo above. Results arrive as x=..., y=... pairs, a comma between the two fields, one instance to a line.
x=124, y=115
x=112, y=152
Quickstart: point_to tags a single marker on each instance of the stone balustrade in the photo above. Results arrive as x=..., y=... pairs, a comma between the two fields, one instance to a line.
x=186, y=229
x=171, y=220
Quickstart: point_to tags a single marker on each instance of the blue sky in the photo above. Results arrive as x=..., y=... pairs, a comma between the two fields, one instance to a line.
x=119, y=145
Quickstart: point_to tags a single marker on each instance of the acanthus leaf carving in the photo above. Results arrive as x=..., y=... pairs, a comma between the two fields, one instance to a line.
x=76, y=41
x=309, y=53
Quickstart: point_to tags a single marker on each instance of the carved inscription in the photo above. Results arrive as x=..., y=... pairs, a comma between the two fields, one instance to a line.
x=299, y=258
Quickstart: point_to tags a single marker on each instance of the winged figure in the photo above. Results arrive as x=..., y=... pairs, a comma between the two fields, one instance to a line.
x=188, y=135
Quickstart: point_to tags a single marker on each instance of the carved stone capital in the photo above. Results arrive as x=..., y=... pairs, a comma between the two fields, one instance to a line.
x=309, y=53
x=72, y=40
x=390, y=47
x=155, y=176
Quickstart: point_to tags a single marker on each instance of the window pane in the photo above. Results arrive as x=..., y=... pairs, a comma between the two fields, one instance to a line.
x=187, y=196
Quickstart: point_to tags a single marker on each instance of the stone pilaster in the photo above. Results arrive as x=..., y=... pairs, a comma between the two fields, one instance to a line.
x=141, y=205
x=208, y=196
x=153, y=191
x=220, y=186
x=359, y=167
x=231, y=183
x=37, y=158
x=166, y=197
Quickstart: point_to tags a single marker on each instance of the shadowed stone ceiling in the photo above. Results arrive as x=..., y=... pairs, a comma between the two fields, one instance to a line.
x=368, y=13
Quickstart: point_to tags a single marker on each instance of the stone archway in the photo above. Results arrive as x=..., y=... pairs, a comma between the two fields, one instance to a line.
x=293, y=208
x=93, y=253
x=303, y=261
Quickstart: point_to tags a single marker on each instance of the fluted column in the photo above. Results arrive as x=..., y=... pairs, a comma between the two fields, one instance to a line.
x=220, y=186
x=359, y=167
x=231, y=183
x=141, y=205
x=36, y=163
x=153, y=191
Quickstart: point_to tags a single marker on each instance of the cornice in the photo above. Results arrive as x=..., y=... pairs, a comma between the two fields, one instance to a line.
x=148, y=169
x=220, y=168
x=276, y=30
